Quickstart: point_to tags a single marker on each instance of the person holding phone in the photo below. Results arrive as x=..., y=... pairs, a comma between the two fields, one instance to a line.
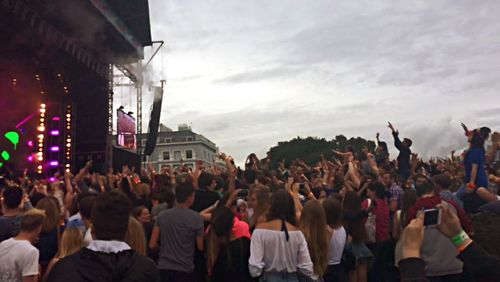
x=438, y=253
x=481, y=265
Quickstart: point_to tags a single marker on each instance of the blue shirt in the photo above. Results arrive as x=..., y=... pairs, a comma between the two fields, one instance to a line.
x=476, y=156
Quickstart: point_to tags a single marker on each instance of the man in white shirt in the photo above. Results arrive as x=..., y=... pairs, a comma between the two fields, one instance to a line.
x=18, y=257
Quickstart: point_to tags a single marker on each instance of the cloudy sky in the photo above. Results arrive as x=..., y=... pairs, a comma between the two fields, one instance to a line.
x=247, y=74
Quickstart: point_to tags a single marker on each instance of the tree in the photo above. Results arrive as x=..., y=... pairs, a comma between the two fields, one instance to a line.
x=310, y=149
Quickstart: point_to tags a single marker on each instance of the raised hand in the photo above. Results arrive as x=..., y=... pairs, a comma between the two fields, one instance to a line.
x=389, y=124
x=464, y=127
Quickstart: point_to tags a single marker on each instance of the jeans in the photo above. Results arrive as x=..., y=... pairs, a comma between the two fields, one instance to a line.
x=279, y=277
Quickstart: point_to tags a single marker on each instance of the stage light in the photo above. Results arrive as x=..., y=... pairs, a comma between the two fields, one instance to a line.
x=6, y=155
x=54, y=149
x=40, y=136
x=42, y=110
x=54, y=163
x=41, y=128
x=42, y=105
x=40, y=158
x=30, y=143
x=56, y=118
x=30, y=159
x=54, y=132
x=39, y=167
x=68, y=140
x=68, y=165
x=52, y=179
x=68, y=145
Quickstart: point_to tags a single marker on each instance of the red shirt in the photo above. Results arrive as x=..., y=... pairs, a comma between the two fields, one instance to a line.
x=432, y=202
x=381, y=212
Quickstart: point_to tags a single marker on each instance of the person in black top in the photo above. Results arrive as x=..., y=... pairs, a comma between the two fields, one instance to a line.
x=107, y=258
x=205, y=196
x=228, y=252
x=404, y=157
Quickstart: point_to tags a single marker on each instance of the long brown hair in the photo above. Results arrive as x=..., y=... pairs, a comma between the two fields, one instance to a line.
x=313, y=225
x=52, y=213
x=219, y=235
x=263, y=197
x=356, y=229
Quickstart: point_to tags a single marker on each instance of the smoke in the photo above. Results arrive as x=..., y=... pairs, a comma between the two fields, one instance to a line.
x=435, y=138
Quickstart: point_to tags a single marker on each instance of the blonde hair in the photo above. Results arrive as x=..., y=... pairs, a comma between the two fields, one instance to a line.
x=135, y=236
x=52, y=213
x=32, y=219
x=313, y=225
x=71, y=242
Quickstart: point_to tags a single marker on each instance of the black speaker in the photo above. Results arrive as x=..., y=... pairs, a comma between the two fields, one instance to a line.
x=154, y=122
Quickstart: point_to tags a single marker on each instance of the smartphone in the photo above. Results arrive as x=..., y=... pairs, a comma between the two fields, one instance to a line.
x=432, y=217
x=302, y=188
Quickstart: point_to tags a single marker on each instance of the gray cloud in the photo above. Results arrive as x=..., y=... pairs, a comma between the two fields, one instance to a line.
x=250, y=74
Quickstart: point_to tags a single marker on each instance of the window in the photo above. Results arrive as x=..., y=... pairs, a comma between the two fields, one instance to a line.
x=166, y=156
x=161, y=140
x=189, y=139
x=177, y=155
x=168, y=140
x=189, y=154
x=205, y=155
x=143, y=142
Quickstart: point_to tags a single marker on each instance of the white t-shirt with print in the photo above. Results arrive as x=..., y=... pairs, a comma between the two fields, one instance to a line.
x=18, y=258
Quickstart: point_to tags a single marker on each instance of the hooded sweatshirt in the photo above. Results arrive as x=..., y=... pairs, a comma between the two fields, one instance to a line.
x=105, y=264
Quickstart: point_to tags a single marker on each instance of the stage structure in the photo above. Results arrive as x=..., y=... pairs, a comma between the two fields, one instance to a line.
x=56, y=79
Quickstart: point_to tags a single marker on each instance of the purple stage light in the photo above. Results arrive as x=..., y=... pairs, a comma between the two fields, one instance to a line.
x=30, y=158
x=54, y=149
x=54, y=163
x=56, y=118
x=52, y=179
x=54, y=132
x=30, y=143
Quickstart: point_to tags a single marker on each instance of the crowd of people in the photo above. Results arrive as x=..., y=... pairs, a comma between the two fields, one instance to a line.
x=354, y=217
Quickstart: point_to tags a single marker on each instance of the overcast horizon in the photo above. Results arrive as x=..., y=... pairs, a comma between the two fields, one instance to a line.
x=249, y=74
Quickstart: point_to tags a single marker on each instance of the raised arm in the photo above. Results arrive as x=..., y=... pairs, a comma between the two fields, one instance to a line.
x=395, y=134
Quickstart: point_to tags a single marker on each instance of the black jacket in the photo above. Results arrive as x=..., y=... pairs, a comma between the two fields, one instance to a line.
x=87, y=265
x=483, y=267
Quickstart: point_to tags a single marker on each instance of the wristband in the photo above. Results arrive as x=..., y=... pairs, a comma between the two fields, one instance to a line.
x=471, y=186
x=461, y=238
x=464, y=246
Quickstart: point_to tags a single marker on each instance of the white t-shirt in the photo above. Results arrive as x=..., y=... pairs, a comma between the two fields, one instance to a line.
x=18, y=258
x=337, y=244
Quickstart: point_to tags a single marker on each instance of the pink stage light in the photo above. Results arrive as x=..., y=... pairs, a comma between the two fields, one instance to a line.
x=56, y=118
x=30, y=158
x=52, y=179
x=30, y=143
x=54, y=149
x=54, y=132
x=54, y=163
